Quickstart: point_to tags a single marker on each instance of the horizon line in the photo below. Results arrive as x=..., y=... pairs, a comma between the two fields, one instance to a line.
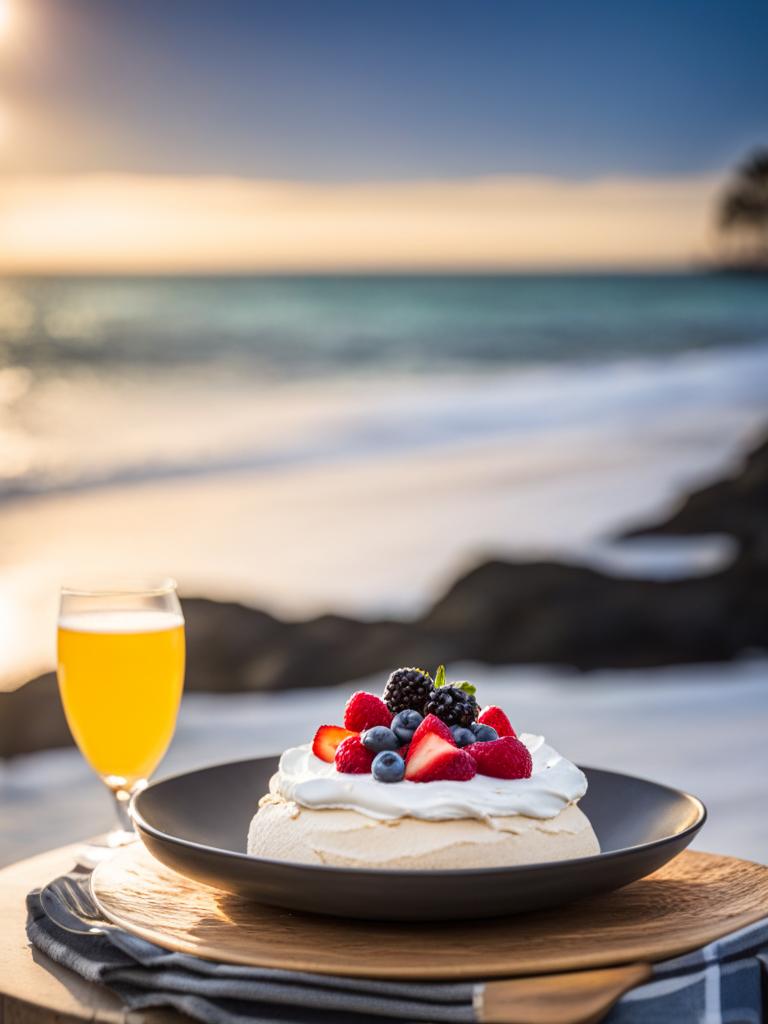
x=694, y=268
x=151, y=225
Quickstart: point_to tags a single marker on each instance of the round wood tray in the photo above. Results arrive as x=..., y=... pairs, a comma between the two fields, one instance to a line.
x=696, y=898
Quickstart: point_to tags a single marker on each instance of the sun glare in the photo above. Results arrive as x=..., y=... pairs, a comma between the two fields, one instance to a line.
x=5, y=17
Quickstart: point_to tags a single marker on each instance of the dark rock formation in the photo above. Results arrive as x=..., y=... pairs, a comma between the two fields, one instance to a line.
x=32, y=718
x=737, y=505
x=499, y=613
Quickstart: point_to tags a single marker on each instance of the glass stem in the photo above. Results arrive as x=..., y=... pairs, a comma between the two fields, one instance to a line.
x=122, y=799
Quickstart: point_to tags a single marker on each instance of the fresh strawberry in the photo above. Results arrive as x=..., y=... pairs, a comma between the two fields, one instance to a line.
x=505, y=758
x=433, y=755
x=364, y=710
x=434, y=759
x=327, y=739
x=495, y=717
x=352, y=757
x=432, y=724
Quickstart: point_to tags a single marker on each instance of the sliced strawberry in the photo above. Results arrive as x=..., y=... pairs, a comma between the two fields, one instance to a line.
x=505, y=758
x=432, y=736
x=495, y=717
x=434, y=759
x=432, y=725
x=327, y=739
x=352, y=757
x=364, y=711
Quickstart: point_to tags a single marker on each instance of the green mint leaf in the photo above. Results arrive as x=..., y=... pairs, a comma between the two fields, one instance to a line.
x=441, y=680
x=466, y=687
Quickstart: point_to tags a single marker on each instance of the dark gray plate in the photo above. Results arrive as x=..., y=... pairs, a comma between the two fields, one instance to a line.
x=197, y=824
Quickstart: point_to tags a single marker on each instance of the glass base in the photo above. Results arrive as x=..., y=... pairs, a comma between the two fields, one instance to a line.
x=91, y=854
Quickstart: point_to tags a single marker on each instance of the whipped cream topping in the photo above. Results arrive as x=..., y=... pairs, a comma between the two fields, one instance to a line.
x=555, y=783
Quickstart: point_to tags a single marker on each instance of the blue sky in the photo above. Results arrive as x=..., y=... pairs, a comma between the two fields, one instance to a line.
x=335, y=90
x=217, y=135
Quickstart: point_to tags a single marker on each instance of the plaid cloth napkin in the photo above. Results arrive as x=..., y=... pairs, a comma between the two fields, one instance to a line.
x=719, y=984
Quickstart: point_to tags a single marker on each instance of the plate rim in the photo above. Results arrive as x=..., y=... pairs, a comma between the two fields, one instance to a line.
x=164, y=837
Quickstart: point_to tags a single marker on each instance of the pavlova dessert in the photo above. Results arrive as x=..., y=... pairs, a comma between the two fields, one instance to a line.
x=422, y=778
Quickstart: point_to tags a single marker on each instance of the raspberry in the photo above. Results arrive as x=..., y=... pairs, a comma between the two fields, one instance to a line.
x=364, y=711
x=352, y=757
x=505, y=758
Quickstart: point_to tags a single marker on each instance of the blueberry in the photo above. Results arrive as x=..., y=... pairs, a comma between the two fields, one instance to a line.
x=483, y=733
x=380, y=738
x=388, y=767
x=462, y=736
x=405, y=724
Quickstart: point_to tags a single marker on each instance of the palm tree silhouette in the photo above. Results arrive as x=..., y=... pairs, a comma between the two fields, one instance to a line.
x=744, y=212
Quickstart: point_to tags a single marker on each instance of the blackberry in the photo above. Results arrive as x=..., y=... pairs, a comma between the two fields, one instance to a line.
x=408, y=689
x=452, y=706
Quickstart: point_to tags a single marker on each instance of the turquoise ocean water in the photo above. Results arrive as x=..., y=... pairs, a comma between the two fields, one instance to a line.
x=323, y=324
x=117, y=379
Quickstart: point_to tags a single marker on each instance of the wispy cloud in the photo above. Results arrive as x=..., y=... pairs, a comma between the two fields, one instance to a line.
x=137, y=223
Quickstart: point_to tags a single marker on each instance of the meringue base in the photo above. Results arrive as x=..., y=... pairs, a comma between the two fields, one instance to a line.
x=284, y=831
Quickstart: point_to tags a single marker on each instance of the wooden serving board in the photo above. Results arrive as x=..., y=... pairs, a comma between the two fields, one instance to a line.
x=691, y=901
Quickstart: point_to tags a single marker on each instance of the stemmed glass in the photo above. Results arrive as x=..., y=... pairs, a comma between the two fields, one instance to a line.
x=121, y=673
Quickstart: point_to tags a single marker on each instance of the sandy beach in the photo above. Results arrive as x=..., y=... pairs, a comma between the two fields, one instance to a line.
x=377, y=519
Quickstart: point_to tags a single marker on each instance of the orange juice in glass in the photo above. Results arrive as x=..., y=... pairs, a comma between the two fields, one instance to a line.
x=121, y=674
